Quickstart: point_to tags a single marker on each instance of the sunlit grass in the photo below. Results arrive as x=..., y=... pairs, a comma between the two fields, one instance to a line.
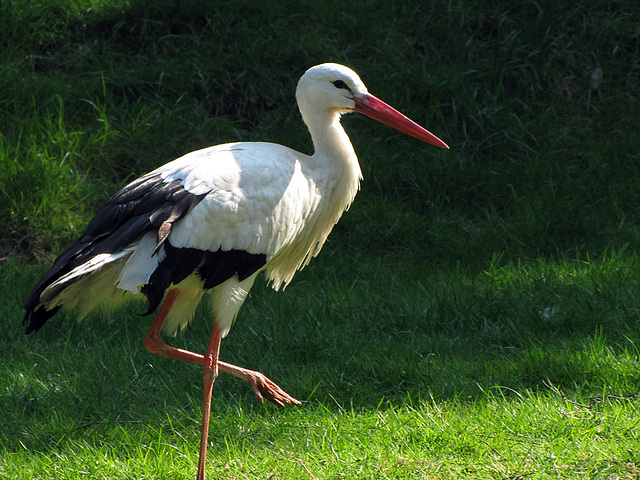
x=517, y=438
x=488, y=375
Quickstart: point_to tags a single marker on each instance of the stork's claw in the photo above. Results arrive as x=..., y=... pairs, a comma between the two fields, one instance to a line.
x=265, y=388
x=262, y=386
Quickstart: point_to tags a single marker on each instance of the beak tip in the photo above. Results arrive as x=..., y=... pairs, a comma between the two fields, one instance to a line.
x=433, y=140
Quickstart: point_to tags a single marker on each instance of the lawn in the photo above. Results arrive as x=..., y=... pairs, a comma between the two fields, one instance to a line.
x=475, y=314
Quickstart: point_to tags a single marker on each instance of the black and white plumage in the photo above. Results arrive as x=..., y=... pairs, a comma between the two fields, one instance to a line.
x=213, y=219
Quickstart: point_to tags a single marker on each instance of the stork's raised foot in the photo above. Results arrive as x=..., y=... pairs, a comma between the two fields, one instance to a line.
x=265, y=388
x=262, y=386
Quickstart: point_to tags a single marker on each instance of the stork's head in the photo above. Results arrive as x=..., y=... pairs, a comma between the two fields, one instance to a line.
x=330, y=86
x=332, y=89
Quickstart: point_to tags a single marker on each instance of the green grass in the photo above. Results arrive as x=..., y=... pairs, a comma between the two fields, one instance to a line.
x=474, y=315
x=528, y=370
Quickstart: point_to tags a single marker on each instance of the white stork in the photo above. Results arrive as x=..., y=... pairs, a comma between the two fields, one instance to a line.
x=213, y=219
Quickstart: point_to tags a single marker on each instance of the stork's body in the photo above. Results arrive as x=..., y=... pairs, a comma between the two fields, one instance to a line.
x=213, y=219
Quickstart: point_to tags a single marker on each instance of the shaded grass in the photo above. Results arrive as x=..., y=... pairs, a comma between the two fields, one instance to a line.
x=540, y=161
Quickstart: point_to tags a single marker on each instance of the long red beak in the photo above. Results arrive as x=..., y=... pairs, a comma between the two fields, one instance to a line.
x=378, y=110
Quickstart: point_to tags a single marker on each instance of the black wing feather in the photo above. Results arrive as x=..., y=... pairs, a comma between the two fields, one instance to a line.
x=213, y=267
x=138, y=208
x=146, y=204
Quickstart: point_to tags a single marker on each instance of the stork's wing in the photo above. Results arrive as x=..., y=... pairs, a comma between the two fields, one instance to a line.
x=255, y=200
x=222, y=211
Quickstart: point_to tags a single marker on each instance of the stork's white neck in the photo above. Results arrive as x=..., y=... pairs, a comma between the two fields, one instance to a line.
x=336, y=173
x=331, y=144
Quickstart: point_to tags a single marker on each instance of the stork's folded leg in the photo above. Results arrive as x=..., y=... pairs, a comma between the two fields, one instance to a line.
x=153, y=341
x=262, y=386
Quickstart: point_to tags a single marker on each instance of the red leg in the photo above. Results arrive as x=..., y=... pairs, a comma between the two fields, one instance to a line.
x=262, y=386
x=210, y=372
x=153, y=341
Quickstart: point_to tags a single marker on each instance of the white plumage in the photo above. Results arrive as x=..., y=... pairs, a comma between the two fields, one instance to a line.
x=214, y=219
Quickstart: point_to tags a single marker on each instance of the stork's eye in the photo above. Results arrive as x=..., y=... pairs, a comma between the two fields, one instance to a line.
x=341, y=84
